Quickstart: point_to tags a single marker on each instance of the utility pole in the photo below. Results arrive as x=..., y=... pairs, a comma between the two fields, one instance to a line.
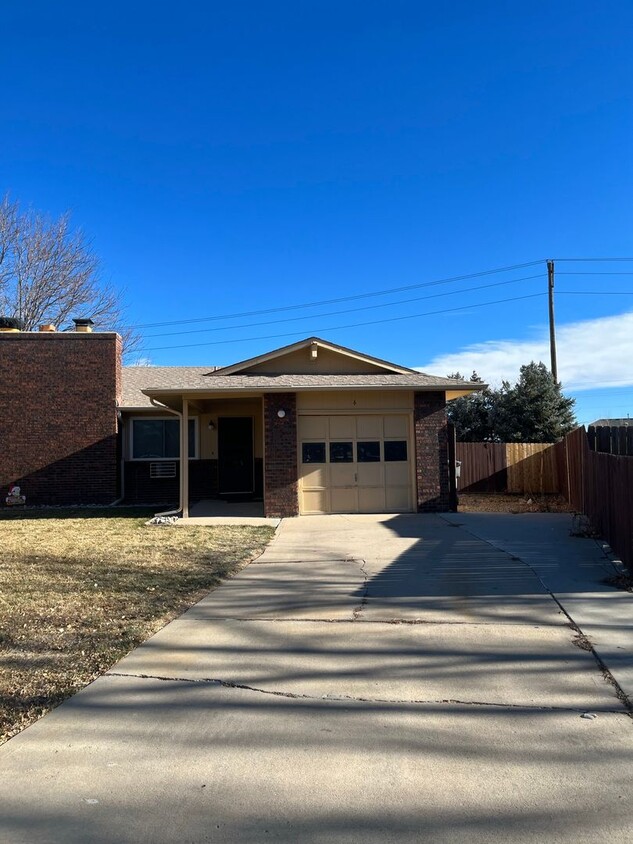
x=552, y=329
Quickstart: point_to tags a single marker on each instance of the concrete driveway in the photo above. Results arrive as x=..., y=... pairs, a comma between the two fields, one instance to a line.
x=369, y=678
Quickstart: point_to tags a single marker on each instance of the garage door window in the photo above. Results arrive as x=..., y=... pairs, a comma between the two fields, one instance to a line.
x=395, y=451
x=313, y=453
x=368, y=452
x=341, y=453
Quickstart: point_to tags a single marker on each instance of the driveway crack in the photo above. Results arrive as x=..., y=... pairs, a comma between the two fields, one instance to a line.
x=334, y=698
x=356, y=613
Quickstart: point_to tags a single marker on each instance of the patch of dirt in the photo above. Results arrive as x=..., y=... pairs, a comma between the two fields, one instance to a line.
x=472, y=502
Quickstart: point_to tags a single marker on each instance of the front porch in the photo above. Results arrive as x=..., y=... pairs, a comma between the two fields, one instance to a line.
x=213, y=512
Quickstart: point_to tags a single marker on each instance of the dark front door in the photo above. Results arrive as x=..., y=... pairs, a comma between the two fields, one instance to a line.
x=235, y=455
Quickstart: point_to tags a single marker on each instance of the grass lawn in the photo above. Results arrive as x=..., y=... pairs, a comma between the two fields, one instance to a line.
x=80, y=588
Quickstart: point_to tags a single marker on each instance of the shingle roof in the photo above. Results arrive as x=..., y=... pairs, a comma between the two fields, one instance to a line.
x=138, y=378
x=170, y=379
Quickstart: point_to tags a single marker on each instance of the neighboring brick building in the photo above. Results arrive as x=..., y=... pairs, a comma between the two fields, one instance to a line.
x=58, y=426
x=309, y=428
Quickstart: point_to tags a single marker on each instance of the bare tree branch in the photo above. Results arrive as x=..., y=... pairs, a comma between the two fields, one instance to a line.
x=49, y=273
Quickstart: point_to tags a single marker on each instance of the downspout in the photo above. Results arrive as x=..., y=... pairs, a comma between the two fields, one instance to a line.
x=161, y=406
x=120, y=433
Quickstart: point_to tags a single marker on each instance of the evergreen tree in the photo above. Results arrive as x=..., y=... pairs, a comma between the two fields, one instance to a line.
x=532, y=410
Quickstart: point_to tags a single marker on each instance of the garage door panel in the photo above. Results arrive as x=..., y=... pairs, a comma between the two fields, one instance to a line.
x=370, y=474
x=398, y=499
x=342, y=427
x=314, y=475
x=396, y=427
x=343, y=500
x=397, y=474
x=313, y=427
x=342, y=474
x=369, y=427
x=315, y=501
x=371, y=499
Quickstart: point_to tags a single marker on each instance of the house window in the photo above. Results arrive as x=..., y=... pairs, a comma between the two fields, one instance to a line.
x=313, y=453
x=368, y=452
x=395, y=451
x=159, y=439
x=341, y=453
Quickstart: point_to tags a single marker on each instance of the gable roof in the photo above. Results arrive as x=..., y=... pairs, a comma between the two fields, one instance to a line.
x=244, y=365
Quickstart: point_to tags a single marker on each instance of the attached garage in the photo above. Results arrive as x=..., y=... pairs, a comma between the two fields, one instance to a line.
x=355, y=464
x=334, y=431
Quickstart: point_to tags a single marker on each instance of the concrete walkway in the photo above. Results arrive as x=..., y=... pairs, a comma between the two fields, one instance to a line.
x=394, y=678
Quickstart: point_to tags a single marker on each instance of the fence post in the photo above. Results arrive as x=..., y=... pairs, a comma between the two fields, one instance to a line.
x=452, y=477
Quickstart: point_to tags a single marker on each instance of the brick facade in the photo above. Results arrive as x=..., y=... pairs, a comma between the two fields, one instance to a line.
x=281, y=491
x=58, y=426
x=431, y=452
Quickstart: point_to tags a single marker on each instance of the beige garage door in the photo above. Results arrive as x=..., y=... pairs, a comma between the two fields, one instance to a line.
x=355, y=464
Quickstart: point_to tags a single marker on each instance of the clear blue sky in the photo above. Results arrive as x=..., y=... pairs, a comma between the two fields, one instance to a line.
x=238, y=157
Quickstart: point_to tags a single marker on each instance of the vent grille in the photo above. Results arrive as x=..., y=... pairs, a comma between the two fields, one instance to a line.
x=162, y=470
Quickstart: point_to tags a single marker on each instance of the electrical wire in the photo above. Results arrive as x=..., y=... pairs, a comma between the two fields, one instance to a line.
x=350, y=325
x=345, y=311
x=385, y=292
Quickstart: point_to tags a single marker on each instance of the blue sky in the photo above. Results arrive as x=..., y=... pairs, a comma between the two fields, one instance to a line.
x=244, y=157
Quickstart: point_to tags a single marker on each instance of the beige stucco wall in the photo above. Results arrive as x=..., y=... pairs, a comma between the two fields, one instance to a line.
x=327, y=363
x=355, y=401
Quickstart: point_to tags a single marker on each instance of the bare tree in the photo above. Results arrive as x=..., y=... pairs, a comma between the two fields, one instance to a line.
x=50, y=274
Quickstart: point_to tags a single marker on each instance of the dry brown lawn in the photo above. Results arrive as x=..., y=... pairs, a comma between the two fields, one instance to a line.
x=80, y=589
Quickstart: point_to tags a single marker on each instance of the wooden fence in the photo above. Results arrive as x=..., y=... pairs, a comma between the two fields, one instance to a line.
x=595, y=483
x=600, y=486
x=529, y=468
x=611, y=439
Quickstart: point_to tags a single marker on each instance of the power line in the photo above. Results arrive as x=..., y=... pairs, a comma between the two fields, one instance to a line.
x=350, y=325
x=563, y=272
x=355, y=297
x=345, y=311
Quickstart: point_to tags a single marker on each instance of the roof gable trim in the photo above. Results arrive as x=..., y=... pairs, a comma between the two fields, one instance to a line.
x=243, y=366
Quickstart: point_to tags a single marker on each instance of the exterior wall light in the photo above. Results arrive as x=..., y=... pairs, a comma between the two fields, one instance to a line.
x=281, y=413
x=211, y=425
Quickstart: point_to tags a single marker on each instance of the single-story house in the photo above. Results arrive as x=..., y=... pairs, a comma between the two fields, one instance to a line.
x=313, y=427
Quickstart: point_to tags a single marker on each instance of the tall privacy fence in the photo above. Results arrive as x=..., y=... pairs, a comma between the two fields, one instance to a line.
x=595, y=482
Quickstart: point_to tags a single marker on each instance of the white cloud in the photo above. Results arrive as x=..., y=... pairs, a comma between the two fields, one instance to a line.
x=592, y=353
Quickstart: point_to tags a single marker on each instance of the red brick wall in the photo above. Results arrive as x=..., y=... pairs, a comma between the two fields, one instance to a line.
x=431, y=452
x=281, y=492
x=58, y=423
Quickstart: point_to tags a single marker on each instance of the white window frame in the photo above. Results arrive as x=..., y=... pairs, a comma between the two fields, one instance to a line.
x=196, y=439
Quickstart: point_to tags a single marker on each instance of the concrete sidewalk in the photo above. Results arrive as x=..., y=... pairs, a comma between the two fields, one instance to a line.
x=369, y=678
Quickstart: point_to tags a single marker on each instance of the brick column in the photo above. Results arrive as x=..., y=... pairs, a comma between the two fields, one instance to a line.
x=431, y=452
x=281, y=497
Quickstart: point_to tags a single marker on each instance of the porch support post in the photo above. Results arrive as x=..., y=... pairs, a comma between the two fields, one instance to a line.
x=184, y=459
